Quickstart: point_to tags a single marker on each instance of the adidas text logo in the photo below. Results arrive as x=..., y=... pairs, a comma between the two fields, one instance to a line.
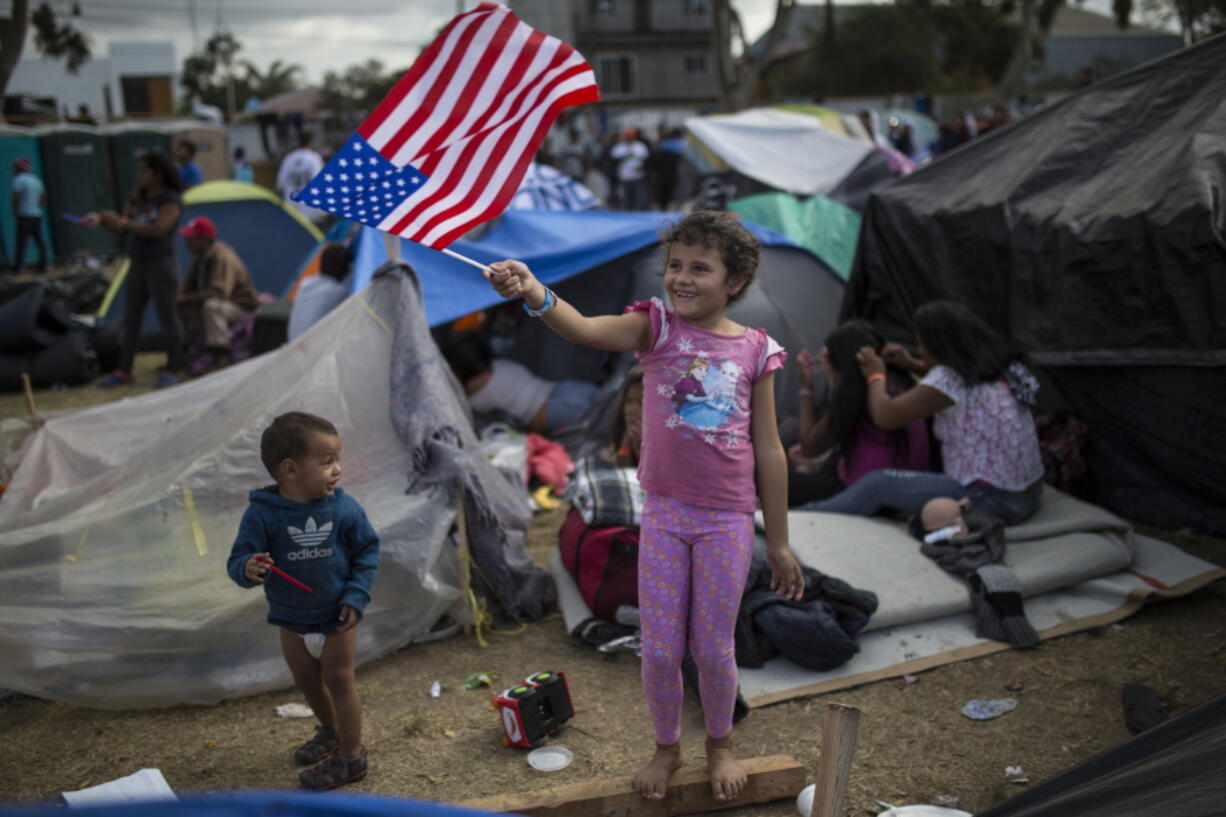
x=310, y=536
x=310, y=553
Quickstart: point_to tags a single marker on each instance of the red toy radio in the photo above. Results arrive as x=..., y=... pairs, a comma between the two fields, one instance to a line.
x=535, y=709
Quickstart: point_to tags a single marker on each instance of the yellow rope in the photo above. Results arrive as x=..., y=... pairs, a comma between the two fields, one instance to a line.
x=202, y=546
x=373, y=314
x=76, y=557
x=482, y=619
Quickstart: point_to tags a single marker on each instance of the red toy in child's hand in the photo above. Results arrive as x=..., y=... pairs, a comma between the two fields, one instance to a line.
x=267, y=563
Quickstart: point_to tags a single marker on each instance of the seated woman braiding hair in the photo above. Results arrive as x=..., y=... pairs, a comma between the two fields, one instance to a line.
x=979, y=395
x=845, y=431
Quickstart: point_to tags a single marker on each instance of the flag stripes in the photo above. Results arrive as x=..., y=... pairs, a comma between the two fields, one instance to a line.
x=470, y=114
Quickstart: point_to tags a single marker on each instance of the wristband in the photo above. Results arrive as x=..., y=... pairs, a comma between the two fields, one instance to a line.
x=874, y=376
x=625, y=451
x=551, y=301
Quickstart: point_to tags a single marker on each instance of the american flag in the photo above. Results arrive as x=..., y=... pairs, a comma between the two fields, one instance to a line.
x=448, y=147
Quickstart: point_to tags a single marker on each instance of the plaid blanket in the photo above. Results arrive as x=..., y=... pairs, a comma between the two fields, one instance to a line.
x=605, y=496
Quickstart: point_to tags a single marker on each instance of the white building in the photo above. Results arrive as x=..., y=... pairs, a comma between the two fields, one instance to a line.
x=133, y=79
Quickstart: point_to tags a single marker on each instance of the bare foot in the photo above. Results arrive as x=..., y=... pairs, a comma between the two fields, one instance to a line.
x=728, y=779
x=651, y=781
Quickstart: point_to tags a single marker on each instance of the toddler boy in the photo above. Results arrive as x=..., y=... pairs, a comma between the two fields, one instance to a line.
x=307, y=528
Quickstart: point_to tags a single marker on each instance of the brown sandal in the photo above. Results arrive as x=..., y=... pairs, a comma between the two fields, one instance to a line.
x=324, y=743
x=334, y=771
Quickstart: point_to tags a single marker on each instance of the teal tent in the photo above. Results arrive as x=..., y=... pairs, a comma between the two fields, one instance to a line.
x=826, y=228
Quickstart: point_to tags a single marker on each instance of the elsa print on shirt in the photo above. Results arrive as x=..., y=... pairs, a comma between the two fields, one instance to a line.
x=711, y=409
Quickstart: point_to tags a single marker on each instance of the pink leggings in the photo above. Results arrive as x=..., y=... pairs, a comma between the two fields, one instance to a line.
x=692, y=567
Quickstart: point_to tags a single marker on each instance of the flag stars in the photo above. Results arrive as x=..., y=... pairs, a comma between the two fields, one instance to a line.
x=400, y=182
x=343, y=163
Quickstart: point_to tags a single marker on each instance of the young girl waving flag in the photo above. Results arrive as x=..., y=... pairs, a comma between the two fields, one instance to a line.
x=703, y=447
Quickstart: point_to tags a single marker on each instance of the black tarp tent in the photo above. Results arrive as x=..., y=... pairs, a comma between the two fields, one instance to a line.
x=1173, y=769
x=1093, y=233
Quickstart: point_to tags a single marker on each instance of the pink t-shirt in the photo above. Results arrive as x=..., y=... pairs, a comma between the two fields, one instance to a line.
x=697, y=390
x=874, y=450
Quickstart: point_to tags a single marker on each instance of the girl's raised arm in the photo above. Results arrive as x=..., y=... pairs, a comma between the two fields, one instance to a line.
x=617, y=333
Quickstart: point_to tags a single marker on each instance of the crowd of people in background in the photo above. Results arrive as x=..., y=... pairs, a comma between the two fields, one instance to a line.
x=624, y=168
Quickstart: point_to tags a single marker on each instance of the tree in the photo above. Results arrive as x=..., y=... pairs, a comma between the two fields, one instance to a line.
x=359, y=88
x=54, y=36
x=208, y=74
x=277, y=79
x=740, y=75
x=1197, y=19
x=915, y=46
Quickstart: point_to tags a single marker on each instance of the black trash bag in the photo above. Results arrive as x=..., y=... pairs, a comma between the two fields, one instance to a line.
x=70, y=362
x=32, y=321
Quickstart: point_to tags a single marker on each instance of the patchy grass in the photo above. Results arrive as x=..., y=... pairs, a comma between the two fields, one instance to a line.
x=914, y=745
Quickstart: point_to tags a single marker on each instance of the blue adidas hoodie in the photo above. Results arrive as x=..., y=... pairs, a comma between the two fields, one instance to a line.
x=327, y=544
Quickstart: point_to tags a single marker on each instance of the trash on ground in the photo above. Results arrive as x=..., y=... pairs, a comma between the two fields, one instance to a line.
x=436, y=689
x=945, y=801
x=146, y=785
x=1016, y=774
x=910, y=679
x=924, y=811
x=981, y=710
x=550, y=758
x=804, y=800
x=295, y=711
x=476, y=680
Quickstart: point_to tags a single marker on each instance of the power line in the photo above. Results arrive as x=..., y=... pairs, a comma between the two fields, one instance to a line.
x=106, y=19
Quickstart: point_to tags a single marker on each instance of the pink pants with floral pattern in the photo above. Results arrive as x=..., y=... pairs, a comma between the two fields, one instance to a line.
x=692, y=567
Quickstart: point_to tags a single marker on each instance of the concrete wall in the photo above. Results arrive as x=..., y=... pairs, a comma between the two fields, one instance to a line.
x=44, y=77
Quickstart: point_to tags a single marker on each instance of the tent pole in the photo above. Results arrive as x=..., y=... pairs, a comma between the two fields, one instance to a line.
x=25, y=386
x=461, y=525
x=392, y=244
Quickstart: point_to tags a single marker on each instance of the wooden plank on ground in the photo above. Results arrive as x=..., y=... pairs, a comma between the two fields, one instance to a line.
x=770, y=778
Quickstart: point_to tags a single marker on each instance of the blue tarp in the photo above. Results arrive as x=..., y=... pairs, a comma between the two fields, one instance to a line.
x=555, y=245
x=262, y=804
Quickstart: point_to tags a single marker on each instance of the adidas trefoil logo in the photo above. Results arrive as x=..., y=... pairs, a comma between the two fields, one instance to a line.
x=310, y=536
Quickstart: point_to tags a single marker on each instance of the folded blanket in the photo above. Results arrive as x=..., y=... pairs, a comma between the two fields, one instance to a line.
x=605, y=496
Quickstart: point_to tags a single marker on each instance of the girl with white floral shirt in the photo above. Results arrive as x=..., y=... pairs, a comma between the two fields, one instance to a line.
x=979, y=396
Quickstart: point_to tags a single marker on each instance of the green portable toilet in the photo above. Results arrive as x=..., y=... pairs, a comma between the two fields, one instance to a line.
x=78, y=179
x=126, y=143
x=16, y=142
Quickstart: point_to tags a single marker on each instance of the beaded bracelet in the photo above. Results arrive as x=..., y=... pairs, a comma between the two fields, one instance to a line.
x=874, y=376
x=551, y=301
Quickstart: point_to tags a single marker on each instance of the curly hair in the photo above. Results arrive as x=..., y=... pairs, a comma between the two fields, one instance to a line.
x=288, y=438
x=738, y=249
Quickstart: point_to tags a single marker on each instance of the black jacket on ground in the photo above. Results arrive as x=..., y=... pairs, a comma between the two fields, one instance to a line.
x=818, y=633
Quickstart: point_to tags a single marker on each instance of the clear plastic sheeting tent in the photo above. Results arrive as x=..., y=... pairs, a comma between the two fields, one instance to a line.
x=115, y=531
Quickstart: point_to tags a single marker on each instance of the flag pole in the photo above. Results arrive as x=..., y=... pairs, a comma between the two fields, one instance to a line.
x=465, y=259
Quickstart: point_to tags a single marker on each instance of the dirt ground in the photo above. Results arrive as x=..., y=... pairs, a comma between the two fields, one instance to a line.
x=914, y=745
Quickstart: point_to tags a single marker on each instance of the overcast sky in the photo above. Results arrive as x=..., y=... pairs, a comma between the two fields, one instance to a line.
x=319, y=35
